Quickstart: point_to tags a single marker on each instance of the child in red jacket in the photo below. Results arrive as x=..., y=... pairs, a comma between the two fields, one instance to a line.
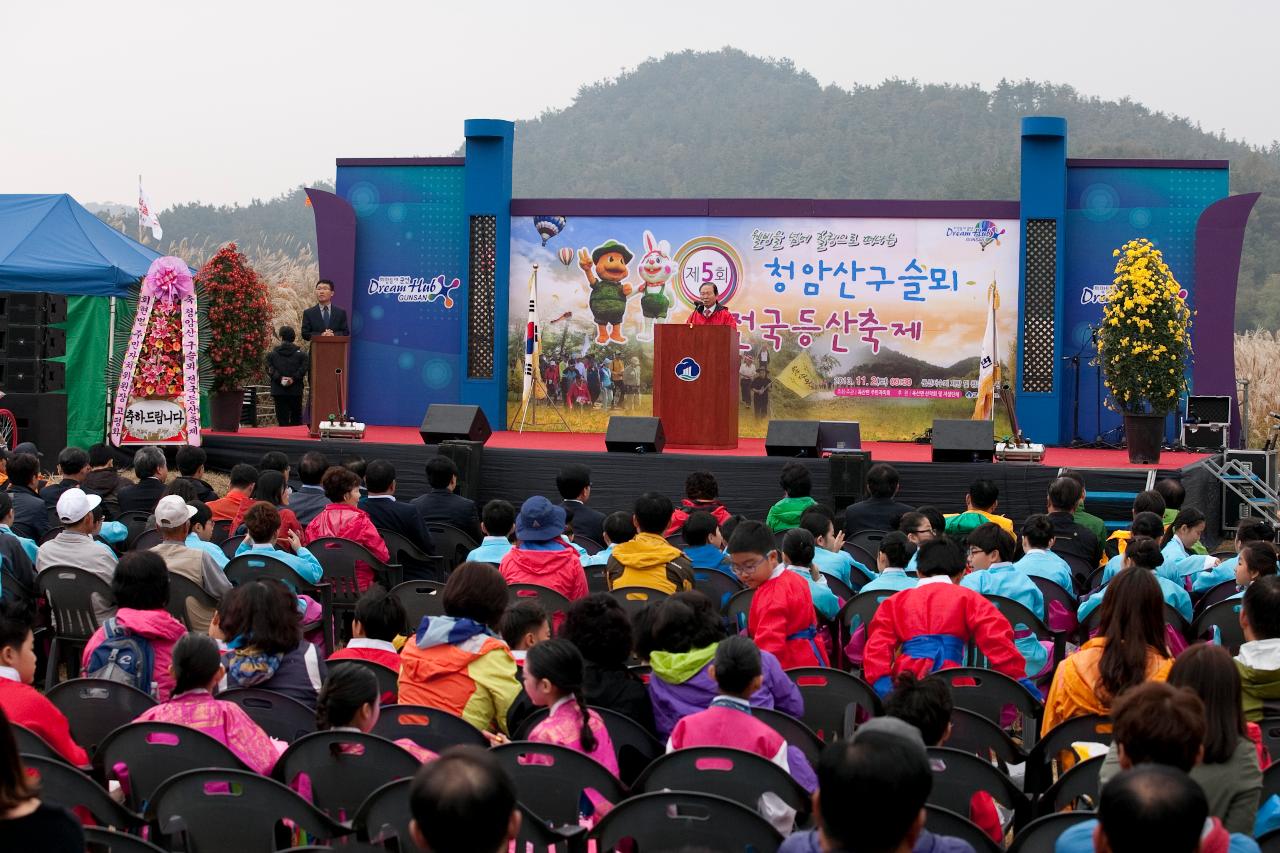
x=379, y=619
x=541, y=555
x=781, y=619
x=22, y=703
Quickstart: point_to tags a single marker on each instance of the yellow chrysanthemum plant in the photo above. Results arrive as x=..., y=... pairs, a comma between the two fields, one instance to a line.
x=1144, y=341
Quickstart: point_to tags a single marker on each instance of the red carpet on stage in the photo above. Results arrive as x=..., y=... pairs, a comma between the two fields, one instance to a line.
x=884, y=451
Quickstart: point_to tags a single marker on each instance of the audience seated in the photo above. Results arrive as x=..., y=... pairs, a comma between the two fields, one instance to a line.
x=191, y=461
x=173, y=519
x=541, y=555
x=1144, y=525
x=262, y=523
x=829, y=555
x=22, y=703
x=379, y=619
x=274, y=460
x=980, y=503
x=17, y=553
x=440, y=505
x=1259, y=656
x=455, y=662
x=30, y=515
x=197, y=669
x=599, y=627
x=1250, y=530
x=1086, y=520
x=350, y=702
x=797, y=555
x=309, y=499
x=463, y=802
x=342, y=518
x=618, y=528
x=1038, y=559
x=991, y=573
x=152, y=471
x=703, y=543
x=919, y=528
x=1255, y=560
x=1129, y=648
x=781, y=619
x=73, y=465
x=1182, y=535
x=574, y=485
x=648, y=560
x=797, y=488
x=243, y=479
x=388, y=513
x=1152, y=807
x=895, y=552
x=1150, y=558
x=523, y=626
x=1148, y=501
x=26, y=823
x=498, y=522
x=81, y=516
x=701, y=493
x=103, y=479
x=1071, y=539
x=928, y=628
x=1174, y=495
x=202, y=533
x=259, y=624
x=273, y=488
x=879, y=510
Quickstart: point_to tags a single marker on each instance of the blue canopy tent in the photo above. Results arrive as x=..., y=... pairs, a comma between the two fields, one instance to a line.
x=50, y=244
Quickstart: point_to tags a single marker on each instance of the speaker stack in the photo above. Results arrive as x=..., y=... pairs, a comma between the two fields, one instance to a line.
x=29, y=341
x=963, y=441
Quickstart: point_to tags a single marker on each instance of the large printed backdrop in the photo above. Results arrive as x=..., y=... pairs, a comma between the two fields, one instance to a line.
x=874, y=320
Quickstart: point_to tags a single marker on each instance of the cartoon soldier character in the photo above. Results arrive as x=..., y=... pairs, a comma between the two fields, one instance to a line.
x=609, y=290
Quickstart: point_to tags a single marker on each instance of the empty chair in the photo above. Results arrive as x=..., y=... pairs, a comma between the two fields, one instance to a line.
x=958, y=775
x=95, y=707
x=1089, y=728
x=733, y=773
x=343, y=768
x=142, y=755
x=282, y=717
x=636, y=598
x=384, y=815
x=136, y=521
x=551, y=779
x=988, y=693
x=737, y=610
x=70, y=593
x=420, y=598
x=429, y=728
x=678, y=820
x=401, y=550
x=793, y=731
x=452, y=544
x=834, y=701
x=101, y=840
x=974, y=733
x=63, y=785
x=1041, y=834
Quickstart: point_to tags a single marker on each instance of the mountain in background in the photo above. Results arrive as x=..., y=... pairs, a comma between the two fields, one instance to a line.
x=730, y=124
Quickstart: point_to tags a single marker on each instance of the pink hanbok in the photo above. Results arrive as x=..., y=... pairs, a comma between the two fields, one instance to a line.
x=563, y=727
x=225, y=722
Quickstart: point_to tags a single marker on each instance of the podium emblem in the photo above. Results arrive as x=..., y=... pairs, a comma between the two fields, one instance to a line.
x=688, y=370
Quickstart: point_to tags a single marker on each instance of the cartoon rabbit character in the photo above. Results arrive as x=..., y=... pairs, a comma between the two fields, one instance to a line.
x=606, y=272
x=656, y=268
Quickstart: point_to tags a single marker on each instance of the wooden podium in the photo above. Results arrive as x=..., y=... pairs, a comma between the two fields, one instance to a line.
x=695, y=385
x=328, y=377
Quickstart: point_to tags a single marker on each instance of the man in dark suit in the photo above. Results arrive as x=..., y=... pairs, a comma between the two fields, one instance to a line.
x=30, y=515
x=308, y=500
x=440, y=505
x=879, y=510
x=389, y=514
x=574, y=484
x=152, y=470
x=190, y=462
x=324, y=318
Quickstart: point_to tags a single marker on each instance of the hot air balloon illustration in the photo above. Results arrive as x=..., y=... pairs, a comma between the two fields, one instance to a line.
x=548, y=226
x=566, y=255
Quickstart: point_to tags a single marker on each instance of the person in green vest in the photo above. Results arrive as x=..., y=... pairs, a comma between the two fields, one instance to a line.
x=1174, y=494
x=796, y=485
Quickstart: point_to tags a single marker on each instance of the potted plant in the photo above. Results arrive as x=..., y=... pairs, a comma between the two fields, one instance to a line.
x=1144, y=345
x=240, y=331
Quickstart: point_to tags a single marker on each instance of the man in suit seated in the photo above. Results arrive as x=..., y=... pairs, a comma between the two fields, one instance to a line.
x=440, y=505
x=190, y=462
x=574, y=484
x=152, y=471
x=880, y=510
x=389, y=514
x=324, y=318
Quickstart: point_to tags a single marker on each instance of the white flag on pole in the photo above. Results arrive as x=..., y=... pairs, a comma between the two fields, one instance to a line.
x=989, y=361
x=146, y=216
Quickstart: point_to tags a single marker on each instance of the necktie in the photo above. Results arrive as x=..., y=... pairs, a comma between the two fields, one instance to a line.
x=324, y=315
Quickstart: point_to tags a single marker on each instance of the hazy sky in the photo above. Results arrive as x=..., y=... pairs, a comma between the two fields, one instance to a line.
x=226, y=101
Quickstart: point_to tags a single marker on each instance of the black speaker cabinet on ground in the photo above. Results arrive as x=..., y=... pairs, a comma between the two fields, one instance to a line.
x=963, y=441
x=793, y=438
x=467, y=456
x=41, y=418
x=848, y=476
x=445, y=421
x=634, y=435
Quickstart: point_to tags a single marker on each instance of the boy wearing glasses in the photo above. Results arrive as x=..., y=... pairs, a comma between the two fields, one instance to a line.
x=781, y=619
x=991, y=573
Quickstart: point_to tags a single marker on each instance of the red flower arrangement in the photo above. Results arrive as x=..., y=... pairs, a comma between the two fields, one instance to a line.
x=159, y=370
x=239, y=310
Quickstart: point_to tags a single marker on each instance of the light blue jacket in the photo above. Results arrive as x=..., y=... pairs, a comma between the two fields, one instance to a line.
x=492, y=549
x=219, y=556
x=1006, y=580
x=1047, y=565
x=1174, y=595
x=304, y=562
x=894, y=579
x=839, y=563
x=824, y=600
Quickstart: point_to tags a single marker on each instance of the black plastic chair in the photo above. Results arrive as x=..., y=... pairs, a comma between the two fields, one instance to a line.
x=550, y=779
x=182, y=592
x=941, y=821
x=1078, y=783
x=388, y=678
x=1041, y=835
x=99, y=840
x=537, y=834
x=344, y=768
x=842, y=590
x=552, y=602
x=429, y=728
x=1021, y=618
x=221, y=530
x=147, y=539
x=737, y=610
x=12, y=589
x=233, y=810
x=229, y=545
x=716, y=585
x=1225, y=616
x=282, y=717
x=597, y=578
x=69, y=592
x=588, y=544
x=253, y=566
x=990, y=693
x=384, y=815
x=1215, y=594
x=95, y=707
x=740, y=776
x=1066, y=599
x=957, y=775
x=338, y=557
x=451, y=543
x=793, y=731
x=1089, y=728
x=136, y=522
x=1270, y=727
x=420, y=598
x=974, y=733
x=152, y=752
x=30, y=743
x=834, y=701
x=633, y=746
x=858, y=612
x=636, y=598
x=680, y=820
x=64, y=785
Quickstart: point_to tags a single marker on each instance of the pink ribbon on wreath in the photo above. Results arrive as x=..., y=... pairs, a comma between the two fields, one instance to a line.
x=168, y=280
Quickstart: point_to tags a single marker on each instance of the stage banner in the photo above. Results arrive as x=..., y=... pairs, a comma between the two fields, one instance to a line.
x=881, y=321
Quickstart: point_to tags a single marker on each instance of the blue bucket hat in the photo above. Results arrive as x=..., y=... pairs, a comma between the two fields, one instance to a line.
x=539, y=520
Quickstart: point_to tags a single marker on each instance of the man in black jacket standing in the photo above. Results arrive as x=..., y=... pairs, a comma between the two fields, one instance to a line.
x=287, y=367
x=324, y=318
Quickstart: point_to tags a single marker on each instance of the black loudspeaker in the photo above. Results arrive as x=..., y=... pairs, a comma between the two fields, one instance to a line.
x=793, y=438
x=848, y=477
x=839, y=436
x=32, y=342
x=445, y=421
x=32, y=376
x=467, y=456
x=32, y=309
x=634, y=435
x=41, y=418
x=963, y=441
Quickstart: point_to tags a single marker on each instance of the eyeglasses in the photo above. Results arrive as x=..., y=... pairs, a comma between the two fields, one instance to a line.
x=742, y=571
x=923, y=531
x=973, y=552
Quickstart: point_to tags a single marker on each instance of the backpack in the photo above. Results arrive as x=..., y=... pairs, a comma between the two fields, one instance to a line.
x=123, y=657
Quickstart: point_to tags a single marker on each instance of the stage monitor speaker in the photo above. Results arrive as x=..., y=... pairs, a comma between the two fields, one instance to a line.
x=963, y=441
x=1208, y=410
x=445, y=421
x=848, y=477
x=41, y=418
x=467, y=455
x=793, y=438
x=32, y=309
x=839, y=436
x=634, y=435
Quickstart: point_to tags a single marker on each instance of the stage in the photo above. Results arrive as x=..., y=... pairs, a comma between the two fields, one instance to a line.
x=516, y=465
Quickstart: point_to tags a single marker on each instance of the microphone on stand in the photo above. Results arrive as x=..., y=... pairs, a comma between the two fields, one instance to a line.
x=342, y=407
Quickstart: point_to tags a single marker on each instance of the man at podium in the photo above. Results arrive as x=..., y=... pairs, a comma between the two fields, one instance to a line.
x=324, y=318
x=710, y=312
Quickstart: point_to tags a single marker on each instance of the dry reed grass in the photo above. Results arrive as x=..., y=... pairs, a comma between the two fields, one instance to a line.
x=1258, y=360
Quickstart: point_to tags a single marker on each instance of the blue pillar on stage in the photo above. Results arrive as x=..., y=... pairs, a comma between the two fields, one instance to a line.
x=1043, y=392
x=487, y=203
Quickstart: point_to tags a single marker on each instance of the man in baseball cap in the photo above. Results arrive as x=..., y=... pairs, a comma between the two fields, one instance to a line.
x=81, y=517
x=173, y=518
x=74, y=505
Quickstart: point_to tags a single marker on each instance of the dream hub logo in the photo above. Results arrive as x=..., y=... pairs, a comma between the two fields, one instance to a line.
x=688, y=370
x=983, y=233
